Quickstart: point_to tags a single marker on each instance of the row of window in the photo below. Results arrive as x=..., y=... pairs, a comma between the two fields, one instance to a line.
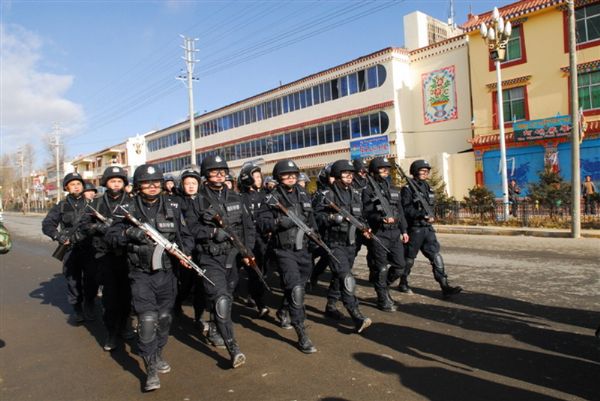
x=172, y=139
x=587, y=23
x=588, y=86
x=357, y=127
x=350, y=84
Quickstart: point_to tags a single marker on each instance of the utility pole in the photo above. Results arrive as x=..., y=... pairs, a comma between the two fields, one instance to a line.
x=575, y=178
x=56, y=144
x=21, y=164
x=189, y=47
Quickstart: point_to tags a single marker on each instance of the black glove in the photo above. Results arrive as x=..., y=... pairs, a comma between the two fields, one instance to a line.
x=78, y=236
x=209, y=215
x=62, y=237
x=220, y=235
x=285, y=222
x=99, y=228
x=336, y=218
x=136, y=234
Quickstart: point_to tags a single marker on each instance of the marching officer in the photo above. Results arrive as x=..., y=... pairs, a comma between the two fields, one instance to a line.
x=361, y=169
x=223, y=215
x=421, y=231
x=89, y=191
x=112, y=264
x=383, y=210
x=80, y=275
x=291, y=245
x=340, y=235
x=253, y=196
x=153, y=288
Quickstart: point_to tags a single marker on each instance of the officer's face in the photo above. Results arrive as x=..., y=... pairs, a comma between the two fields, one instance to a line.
x=89, y=195
x=302, y=184
x=258, y=181
x=151, y=188
x=217, y=176
x=347, y=177
x=384, y=172
x=115, y=184
x=75, y=187
x=190, y=185
x=289, y=179
x=169, y=185
x=423, y=174
x=229, y=184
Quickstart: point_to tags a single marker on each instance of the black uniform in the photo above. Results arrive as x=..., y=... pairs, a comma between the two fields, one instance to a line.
x=220, y=258
x=291, y=249
x=112, y=266
x=253, y=200
x=153, y=291
x=422, y=237
x=341, y=237
x=82, y=285
x=390, y=234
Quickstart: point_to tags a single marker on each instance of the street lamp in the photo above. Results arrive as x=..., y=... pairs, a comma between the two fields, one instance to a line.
x=496, y=37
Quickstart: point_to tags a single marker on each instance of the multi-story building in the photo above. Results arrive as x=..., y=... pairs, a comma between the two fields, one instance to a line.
x=535, y=85
x=394, y=102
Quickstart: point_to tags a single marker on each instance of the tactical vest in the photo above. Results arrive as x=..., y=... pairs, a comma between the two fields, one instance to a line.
x=429, y=196
x=231, y=211
x=394, y=198
x=293, y=238
x=345, y=233
x=165, y=222
x=105, y=207
x=69, y=214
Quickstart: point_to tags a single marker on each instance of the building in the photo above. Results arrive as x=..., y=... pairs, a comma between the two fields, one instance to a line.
x=535, y=84
x=51, y=181
x=395, y=102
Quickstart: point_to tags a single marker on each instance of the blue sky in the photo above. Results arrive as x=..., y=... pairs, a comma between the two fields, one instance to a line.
x=105, y=70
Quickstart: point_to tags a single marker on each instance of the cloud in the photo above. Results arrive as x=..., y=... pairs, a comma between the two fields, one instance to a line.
x=31, y=100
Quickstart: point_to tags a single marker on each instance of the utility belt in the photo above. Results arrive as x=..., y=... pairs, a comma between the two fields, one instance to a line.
x=214, y=249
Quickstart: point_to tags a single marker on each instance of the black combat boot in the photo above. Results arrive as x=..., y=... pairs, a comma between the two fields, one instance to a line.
x=284, y=318
x=78, y=317
x=127, y=331
x=304, y=342
x=384, y=300
x=237, y=357
x=111, y=341
x=447, y=289
x=89, y=311
x=162, y=366
x=403, y=287
x=213, y=336
x=360, y=322
x=152, y=379
x=331, y=310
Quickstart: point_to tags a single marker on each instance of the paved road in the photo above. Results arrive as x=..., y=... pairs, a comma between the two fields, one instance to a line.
x=523, y=329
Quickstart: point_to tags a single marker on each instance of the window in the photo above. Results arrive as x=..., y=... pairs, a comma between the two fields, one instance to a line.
x=343, y=86
x=587, y=23
x=372, y=78
x=355, y=127
x=513, y=47
x=381, y=74
x=352, y=83
x=514, y=104
x=374, y=124
x=384, y=121
x=337, y=132
x=364, y=125
x=345, y=130
x=362, y=85
x=316, y=90
x=285, y=104
x=321, y=135
x=588, y=88
x=335, y=89
x=328, y=133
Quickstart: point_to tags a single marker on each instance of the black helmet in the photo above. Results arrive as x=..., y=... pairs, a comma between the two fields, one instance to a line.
x=147, y=172
x=88, y=186
x=269, y=179
x=285, y=167
x=323, y=177
x=229, y=177
x=245, y=179
x=213, y=162
x=169, y=177
x=191, y=171
x=339, y=166
x=360, y=165
x=378, y=163
x=113, y=172
x=303, y=177
x=418, y=165
x=72, y=177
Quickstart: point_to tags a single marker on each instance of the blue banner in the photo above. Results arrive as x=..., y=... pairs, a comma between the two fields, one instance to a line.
x=369, y=147
x=553, y=127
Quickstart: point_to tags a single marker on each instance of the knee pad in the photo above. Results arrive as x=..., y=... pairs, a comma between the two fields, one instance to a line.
x=223, y=308
x=349, y=284
x=147, y=324
x=437, y=262
x=410, y=262
x=164, y=321
x=298, y=296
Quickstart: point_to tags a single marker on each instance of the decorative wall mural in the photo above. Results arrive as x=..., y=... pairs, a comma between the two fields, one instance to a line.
x=439, y=95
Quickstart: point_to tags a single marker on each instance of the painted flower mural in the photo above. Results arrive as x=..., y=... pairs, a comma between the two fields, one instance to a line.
x=439, y=95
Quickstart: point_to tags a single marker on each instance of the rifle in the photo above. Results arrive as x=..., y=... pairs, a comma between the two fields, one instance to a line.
x=385, y=205
x=416, y=192
x=61, y=249
x=356, y=223
x=106, y=220
x=304, y=229
x=162, y=245
x=244, y=250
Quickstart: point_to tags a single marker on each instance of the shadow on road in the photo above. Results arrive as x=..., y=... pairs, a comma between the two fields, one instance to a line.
x=53, y=292
x=569, y=375
x=438, y=384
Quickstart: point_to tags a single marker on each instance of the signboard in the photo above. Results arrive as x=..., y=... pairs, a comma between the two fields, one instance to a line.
x=369, y=147
x=545, y=128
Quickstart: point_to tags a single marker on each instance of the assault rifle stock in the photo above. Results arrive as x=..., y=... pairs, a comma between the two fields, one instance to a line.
x=416, y=192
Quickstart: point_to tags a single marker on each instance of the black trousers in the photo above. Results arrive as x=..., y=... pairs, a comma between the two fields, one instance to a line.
x=81, y=272
x=379, y=273
x=116, y=291
x=422, y=239
x=342, y=268
x=295, y=268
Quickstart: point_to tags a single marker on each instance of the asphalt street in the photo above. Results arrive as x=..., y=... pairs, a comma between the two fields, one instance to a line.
x=523, y=329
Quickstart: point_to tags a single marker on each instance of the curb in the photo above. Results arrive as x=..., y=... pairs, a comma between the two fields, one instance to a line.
x=475, y=230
